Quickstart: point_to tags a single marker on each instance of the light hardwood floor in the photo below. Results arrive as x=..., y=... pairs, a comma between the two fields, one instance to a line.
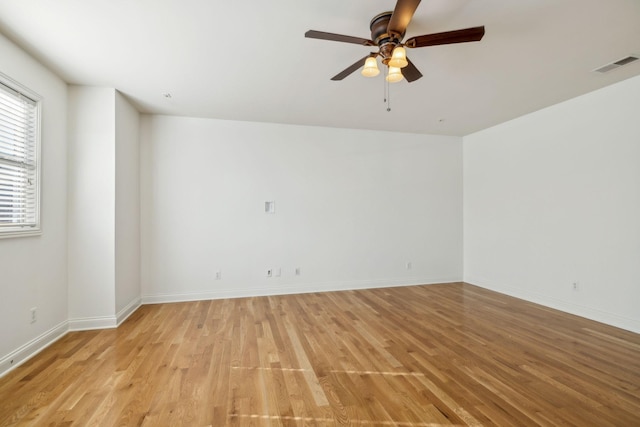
x=451, y=354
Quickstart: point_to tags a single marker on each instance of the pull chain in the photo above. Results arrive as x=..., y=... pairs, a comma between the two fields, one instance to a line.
x=387, y=92
x=388, y=96
x=384, y=89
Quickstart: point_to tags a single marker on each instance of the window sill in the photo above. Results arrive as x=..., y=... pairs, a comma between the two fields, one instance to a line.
x=10, y=234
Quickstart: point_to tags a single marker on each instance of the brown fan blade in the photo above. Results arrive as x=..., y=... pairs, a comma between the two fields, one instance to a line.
x=401, y=16
x=410, y=72
x=473, y=34
x=312, y=34
x=350, y=69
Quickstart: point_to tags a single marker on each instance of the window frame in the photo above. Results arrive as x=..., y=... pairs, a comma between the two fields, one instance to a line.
x=28, y=230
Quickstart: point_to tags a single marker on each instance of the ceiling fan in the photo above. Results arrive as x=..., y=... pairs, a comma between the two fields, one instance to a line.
x=387, y=31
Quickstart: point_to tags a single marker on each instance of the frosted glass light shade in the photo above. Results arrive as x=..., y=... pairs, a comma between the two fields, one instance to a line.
x=398, y=58
x=370, y=67
x=395, y=75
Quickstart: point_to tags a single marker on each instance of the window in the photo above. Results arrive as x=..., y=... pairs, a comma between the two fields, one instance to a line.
x=19, y=159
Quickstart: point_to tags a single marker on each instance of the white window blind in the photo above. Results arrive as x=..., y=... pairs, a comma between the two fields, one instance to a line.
x=19, y=171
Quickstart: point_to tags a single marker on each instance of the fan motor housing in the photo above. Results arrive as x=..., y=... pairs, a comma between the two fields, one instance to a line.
x=385, y=41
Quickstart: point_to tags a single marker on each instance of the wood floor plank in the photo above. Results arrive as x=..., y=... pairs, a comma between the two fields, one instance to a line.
x=437, y=355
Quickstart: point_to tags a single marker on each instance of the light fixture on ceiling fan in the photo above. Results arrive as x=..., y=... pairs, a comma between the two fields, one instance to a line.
x=397, y=61
x=370, y=68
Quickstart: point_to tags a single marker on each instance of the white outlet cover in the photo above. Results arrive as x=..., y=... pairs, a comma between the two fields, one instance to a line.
x=270, y=207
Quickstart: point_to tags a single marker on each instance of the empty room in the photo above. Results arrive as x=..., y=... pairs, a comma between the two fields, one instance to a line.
x=320, y=213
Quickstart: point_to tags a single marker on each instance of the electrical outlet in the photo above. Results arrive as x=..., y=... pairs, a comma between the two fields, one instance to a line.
x=297, y=271
x=34, y=312
x=408, y=265
x=575, y=286
x=269, y=272
x=218, y=275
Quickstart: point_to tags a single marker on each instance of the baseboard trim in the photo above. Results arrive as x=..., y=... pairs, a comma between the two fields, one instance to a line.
x=105, y=322
x=33, y=347
x=611, y=319
x=128, y=311
x=290, y=289
x=90, y=323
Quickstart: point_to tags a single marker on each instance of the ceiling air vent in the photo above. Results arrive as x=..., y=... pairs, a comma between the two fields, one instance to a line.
x=617, y=64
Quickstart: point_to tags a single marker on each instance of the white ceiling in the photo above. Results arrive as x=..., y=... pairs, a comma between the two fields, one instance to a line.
x=250, y=60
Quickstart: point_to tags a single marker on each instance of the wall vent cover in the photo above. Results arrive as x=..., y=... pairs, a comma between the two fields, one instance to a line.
x=617, y=64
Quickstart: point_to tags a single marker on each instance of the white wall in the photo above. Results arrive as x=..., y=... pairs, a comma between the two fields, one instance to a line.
x=127, y=205
x=104, y=208
x=352, y=207
x=554, y=197
x=33, y=270
x=91, y=203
